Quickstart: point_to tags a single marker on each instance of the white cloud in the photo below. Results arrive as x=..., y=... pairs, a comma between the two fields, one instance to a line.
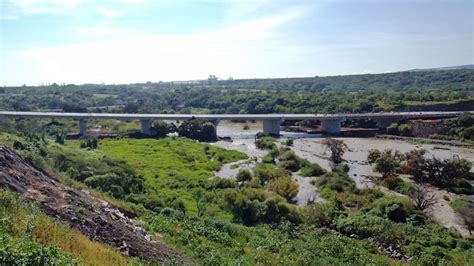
x=244, y=48
x=95, y=31
x=107, y=12
x=45, y=6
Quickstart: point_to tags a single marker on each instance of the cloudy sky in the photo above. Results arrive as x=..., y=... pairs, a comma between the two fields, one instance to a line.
x=124, y=41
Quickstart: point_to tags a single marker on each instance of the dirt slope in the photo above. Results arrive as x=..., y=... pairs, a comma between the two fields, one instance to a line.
x=95, y=218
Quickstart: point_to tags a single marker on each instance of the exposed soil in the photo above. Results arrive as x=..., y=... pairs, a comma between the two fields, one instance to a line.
x=94, y=217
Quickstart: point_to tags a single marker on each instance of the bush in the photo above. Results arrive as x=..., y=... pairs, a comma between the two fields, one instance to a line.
x=319, y=214
x=469, y=133
x=393, y=129
x=265, y=173
x=313, y=169
x=265, y=143
x=404, y=130
x=243, y=175
x=394, y=208
x=285, y=187
x=89, y=142
x=289, y=142
x=251, y=206
x=392, y=181
x=161, y=129
x=117, y=186
x=290, y=161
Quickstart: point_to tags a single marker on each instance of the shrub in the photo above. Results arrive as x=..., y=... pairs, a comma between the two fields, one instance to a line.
x=89, y=142
x=265, y=173
x=161, y=129
x=394, y=208
x=393, y=129
x=392, y=181
x=469, y=133
x=319, y=214
x=289, y=142
x=404, y=130
x=243, y=175
x=290, y=161
x=285, y=187
x=252, y=206
x=313, y=169
x=265, y=143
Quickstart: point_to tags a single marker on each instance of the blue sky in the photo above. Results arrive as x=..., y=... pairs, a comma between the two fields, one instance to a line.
x=124, y=41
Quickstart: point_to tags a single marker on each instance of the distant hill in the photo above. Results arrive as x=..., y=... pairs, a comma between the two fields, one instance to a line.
x=471, y=66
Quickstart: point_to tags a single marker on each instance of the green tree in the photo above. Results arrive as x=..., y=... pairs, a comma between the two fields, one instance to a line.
x=243, y=175
x=337, y=148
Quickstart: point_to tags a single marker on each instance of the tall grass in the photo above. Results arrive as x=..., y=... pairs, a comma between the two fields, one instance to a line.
x=26, y=222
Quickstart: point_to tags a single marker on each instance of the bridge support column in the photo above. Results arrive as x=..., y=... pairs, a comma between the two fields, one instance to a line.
x=83, y=127
x=271, y=127
x=331, y=126
x=383, y=123
x=146, y=126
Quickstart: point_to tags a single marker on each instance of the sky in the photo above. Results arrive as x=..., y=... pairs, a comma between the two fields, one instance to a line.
x=129, y=41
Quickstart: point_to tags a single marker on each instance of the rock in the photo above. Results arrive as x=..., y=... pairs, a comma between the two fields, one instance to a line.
x=93, y=217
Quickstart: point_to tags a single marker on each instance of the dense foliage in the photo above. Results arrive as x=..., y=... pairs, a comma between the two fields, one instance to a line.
x=354, y=93
x=174, y=192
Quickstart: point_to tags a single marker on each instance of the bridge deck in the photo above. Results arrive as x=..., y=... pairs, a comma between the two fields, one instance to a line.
x=403, y=115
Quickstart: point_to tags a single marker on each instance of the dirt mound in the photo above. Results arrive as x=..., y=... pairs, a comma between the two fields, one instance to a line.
x=95, y=218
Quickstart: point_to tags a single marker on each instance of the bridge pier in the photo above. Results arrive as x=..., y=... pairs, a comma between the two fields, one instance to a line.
x=331, y=126
x=82, y=127
x=146, y=126
x=271, y=127
x=383, y=123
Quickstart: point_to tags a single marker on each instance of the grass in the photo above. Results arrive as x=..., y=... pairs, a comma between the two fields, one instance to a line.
x=171, y=166
x=26, y=223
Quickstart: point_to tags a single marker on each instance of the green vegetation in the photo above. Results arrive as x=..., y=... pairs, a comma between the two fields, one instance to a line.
x=172, y=168
x=169, y=184
x=30, y=237
x=337, y=148
x=452, y=174
x=465, y=208
x=459, y=128
x=399, y=129
x=406, y=91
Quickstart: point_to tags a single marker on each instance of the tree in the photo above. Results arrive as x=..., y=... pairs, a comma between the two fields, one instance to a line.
x=445, y=173
x=386, y=162
x=285, y=187
x=243, y=175
x=337, y=148
x=422, y=198
x=414, y=163
x=160, y=129
x=198, y=129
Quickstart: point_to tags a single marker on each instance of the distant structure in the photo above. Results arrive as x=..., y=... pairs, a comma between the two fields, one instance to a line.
x=212, y=79
x=330, y=123
x=425, y=128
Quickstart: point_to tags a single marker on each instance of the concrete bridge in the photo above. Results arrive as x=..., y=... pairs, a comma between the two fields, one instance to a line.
x=330, y=123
